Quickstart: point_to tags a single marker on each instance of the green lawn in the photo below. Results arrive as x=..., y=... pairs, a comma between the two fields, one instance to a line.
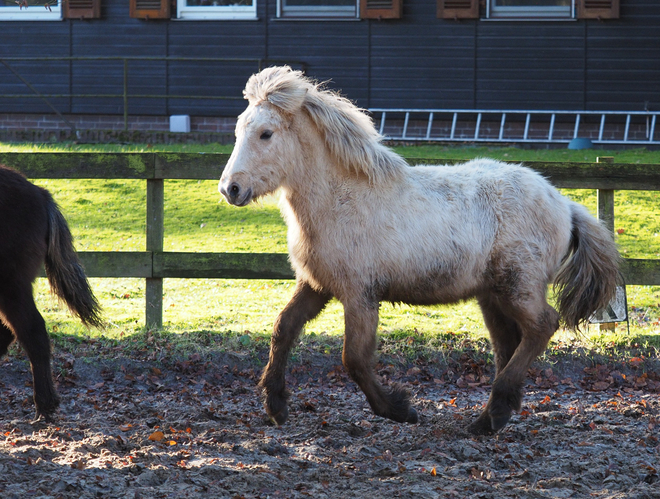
x=109, y=215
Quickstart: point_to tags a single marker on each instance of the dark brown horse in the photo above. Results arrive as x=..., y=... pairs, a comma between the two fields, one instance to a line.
x=34, y=232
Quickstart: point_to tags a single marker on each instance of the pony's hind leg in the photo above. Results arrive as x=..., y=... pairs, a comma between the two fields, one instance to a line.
x=305, y=304
x=21, y=315
x=505, y=336
x=359, y=348
x=537, y=322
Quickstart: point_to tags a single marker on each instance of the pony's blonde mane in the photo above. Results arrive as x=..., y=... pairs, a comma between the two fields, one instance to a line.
x=349, y=133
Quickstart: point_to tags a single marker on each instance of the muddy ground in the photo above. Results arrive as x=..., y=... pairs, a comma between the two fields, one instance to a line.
x=135, y=427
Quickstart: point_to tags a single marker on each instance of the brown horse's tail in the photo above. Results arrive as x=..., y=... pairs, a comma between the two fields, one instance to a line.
x=65, y=272
x=587, y=279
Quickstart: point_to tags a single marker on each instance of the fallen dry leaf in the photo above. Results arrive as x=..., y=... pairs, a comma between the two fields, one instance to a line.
x=156, y=436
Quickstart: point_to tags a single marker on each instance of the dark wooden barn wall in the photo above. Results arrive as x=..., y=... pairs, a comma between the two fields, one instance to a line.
x=418, y=61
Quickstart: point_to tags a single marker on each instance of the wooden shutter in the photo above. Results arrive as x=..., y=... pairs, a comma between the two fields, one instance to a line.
x=458, y=9
x=81, y=9
x=380, y=9
x=150, y=9
x=598, y=9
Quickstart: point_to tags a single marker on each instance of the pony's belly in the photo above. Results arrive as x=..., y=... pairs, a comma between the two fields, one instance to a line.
x=443, y=285
x=426, y=296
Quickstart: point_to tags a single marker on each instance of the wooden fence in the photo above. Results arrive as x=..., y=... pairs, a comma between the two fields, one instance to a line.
x=154, y=264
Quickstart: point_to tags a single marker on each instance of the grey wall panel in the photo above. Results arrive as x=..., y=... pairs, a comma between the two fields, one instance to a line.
x=623, y=59
x=418, y=61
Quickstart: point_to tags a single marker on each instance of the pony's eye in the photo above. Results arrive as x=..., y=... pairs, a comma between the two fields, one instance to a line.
x=266, y=134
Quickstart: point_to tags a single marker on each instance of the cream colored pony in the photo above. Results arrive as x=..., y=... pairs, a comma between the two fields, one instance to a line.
x=364, y=227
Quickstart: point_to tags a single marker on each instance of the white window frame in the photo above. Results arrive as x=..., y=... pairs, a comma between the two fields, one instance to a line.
x=31, y=13
x=530, y=12
x=216, y=12
x=322, y=12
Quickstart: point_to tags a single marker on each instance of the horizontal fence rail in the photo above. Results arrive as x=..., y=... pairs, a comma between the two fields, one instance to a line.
x=154, y=264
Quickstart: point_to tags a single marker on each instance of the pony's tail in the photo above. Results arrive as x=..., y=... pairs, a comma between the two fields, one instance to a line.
x=65, y=272
x=587, y=279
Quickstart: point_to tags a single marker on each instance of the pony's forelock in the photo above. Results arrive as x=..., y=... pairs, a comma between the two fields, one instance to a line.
x=348, y=131
x=281, y=86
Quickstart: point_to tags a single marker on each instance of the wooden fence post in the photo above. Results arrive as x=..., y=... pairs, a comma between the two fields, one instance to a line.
x=155, y=235
x=606, y=214
x=606, y=200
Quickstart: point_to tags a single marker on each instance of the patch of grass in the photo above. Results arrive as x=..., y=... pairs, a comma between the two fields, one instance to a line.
x=197, y=220
x=109, y=215
x=104, y=215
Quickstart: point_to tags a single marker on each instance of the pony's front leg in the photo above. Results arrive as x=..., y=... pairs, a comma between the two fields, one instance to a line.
x=359, y=346
x=303, y=307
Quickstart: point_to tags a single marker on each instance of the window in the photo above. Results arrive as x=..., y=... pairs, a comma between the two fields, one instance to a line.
x=216, y=9
x=528, y=9
x=31, y=10
x=305, y=9
x=525, y=9
x=380, y=9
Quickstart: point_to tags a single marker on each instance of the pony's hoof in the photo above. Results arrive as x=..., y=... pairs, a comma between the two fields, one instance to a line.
x=499, y=414
x=280, y=418
x=403, y=415
x=482, y=426
x=489, y=424
x=499, y=422
x=478, y=428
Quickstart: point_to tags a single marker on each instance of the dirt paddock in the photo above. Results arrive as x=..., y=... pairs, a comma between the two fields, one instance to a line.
x=137, y=428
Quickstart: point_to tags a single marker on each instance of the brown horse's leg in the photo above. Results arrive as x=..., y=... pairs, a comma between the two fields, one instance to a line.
x=538, y=322
x=359, y=347
x=24, y=319
x=303, y=307
x=6, y=339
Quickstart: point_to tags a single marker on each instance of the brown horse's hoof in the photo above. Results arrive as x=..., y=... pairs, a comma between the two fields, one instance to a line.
x=412, y=416
x=43, y=418
x=276, y=406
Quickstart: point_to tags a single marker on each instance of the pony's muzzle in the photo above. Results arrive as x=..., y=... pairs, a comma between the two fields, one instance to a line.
x=235, y=195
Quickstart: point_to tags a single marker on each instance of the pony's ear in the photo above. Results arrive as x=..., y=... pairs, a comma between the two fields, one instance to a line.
x=280, y=86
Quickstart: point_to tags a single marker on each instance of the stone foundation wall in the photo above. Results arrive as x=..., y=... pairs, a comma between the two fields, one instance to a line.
x=110, y=129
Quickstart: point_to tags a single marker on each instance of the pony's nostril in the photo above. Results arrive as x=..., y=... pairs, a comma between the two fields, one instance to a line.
x=234, y=190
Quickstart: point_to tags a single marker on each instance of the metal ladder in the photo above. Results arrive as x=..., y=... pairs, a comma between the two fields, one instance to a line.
x=513, y=126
